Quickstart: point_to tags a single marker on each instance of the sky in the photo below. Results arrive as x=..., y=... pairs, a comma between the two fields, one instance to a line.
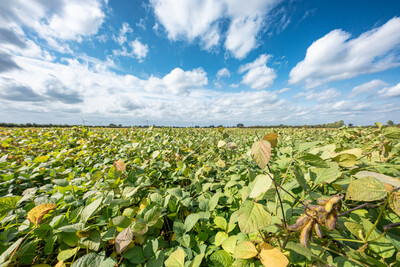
x=199, y=62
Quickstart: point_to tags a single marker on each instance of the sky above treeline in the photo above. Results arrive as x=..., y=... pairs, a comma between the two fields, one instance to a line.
x=209, y=62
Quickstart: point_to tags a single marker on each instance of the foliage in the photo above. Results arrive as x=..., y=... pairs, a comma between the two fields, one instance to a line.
x=199, y=197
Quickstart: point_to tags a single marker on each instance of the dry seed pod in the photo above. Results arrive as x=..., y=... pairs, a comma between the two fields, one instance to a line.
x=332, y=201
x=300, y=223
x=318, y=230
x=332, y=219
x=321, y=218
x=316, y=208
x=306, y=233
x=322, y=201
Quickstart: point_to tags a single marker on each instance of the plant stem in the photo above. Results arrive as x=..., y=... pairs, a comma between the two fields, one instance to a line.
x=378, y=219
x=356, y=208
x=280, y=201
x=390, y=226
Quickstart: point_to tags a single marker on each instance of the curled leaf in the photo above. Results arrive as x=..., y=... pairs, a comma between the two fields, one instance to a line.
x=36, y=214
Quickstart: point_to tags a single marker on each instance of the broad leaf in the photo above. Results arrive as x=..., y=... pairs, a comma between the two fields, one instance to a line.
x=261, y=153
x=36, y=214
x=221, y=258
x=123, y=240
x=252, y=217
x=313, y=160
x=176, y=259
x=261, y=185
x=272, y=256
x=272, y=138
x=366, y=189
x=245, y=250
x=119, y=165
x=90, y=209
x=391, y=132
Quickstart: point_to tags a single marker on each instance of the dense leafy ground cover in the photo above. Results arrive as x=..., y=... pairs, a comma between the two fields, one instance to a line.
x=199, y=197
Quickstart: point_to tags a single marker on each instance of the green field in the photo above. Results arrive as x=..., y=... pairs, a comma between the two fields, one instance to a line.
x=199, y=197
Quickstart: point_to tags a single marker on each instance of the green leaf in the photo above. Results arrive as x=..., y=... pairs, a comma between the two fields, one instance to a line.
x=381, y=177
x=214, y=201
x=139, y=227
x=221, y=258
x=176, y=259
x=229, y=244
x=261, y=153
x=245, y=250
x=346, y=160
x=366, y=189
x=67, y=253
x=151, y=217
x=391, y=132
x=298, y=174
x=7, y=253
x=90, y=209
x=382, y=246
x=261, y=185
x=197, y=261
x=220, y=222
x=220, y=237
x=326, y=175
x=121, y=221
x=300, y=249
x=191, y=220
x=252, y=217
x=313, y=160
x=135, y=255
x=89, y=260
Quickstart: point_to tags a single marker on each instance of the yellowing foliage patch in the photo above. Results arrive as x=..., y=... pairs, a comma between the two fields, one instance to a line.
x=36, y=214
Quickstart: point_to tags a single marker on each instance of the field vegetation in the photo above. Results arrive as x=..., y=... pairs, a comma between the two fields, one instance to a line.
x=199, y=197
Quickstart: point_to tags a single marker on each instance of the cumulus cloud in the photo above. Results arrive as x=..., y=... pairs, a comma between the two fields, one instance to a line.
x=336, y=57
x=393, y=91
x=8, y=36
x=191, y=20
x=367, y=87
x=136, y=49
x=7, y=63
x=54, y=21
x=224, y=72
x=258, y=76
x=178, y=82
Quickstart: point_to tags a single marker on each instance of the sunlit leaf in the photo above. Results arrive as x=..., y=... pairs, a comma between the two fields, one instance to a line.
x=272, y=138
x=176, y=259
x=272, y=256
x=119, y=165
x=252, y=217
x=36, y=214
x=123, y=240
x=245, y=250
x=261, y=185
x=261, y=153
x=366, y=189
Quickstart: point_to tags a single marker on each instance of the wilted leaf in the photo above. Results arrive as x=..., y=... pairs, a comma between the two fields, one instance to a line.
x=36, y=214
x=245, y=250
x=272, y=256
x=261, y=185
x=119, y=165
x=261, y=153
x=231, y=146
x=366, y=189
x=176, y=259
x=394, y=202
x=123, y=239
x=252, y=217
x=272, y=138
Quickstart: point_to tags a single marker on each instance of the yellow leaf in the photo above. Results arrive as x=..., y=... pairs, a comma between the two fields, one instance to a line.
x=36, y=214
x=272, y=138
x=119, y=165
x=59, y=264
x=272, y=257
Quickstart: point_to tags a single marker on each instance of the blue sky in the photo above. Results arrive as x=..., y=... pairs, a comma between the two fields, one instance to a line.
x=211, y=62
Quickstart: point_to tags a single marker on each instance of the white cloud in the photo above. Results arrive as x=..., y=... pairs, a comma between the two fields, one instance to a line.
x=328, y=95
x=178, y=82
x=258, y=75
x=55, y=21
x=191, y=20
x=139, y=50
x=393, y=91
x=337, y=57
x=367, y=87
x=122, y=35
x=224, y=72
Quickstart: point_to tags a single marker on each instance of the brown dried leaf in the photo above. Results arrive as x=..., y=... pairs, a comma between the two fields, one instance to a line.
x=119, y=165
x=36, y=214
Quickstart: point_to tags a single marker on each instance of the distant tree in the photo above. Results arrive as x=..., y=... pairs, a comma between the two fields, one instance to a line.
x=390, y=123
x=350, y=125
x=240, y=125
